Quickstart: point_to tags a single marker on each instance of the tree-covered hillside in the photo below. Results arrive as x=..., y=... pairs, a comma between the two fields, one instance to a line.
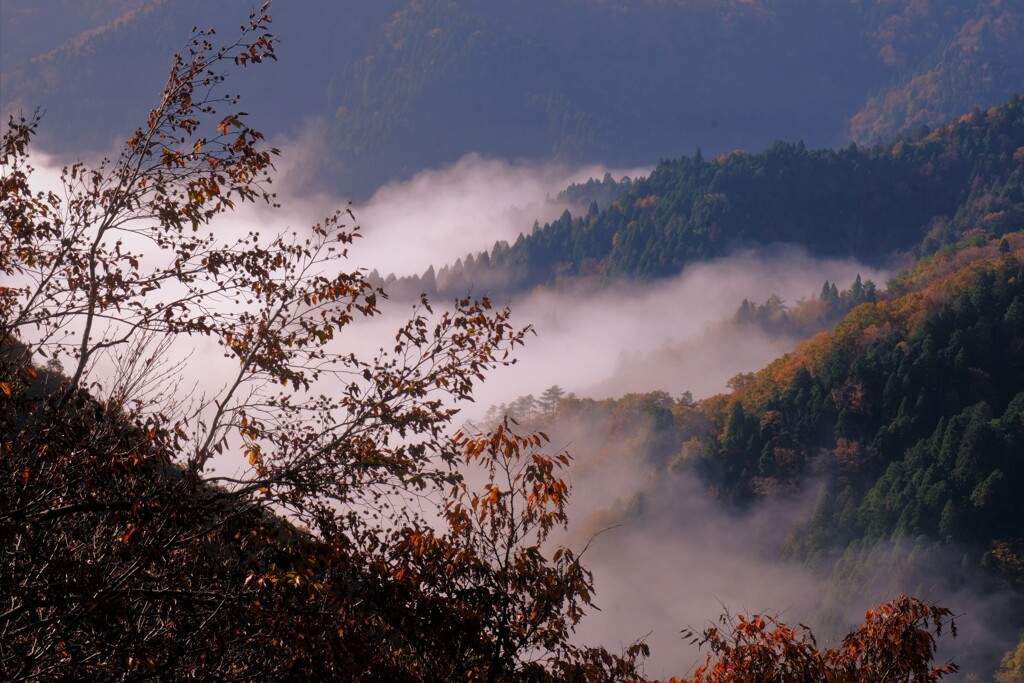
x=898, y=381
x=911, y=413
x=914, y=195
x=912, y=407
x=907, y=418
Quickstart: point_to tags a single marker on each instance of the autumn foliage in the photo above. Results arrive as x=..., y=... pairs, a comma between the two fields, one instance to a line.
x=126, y=553
x=896, y=643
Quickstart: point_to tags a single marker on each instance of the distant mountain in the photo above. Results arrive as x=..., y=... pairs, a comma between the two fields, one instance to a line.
x=31, y=29
x=914, y=195
x=405, y=85
x=949, y=56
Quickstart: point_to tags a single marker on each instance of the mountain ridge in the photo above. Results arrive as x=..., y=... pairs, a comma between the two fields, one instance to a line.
x=871, y=203
x=720, y=75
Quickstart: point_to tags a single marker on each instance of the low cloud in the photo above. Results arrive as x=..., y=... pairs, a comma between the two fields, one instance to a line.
x=436, y=216
x=440, y=215
x=665, y=336
x=684, y=560
x=670, y=557
x=679, y=560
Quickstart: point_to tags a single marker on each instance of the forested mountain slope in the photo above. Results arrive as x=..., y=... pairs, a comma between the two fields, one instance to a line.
x=911, y=413
x=895, y=380
x=399, y=85
x=912, y=407
x=867, y=203
x=907, y=419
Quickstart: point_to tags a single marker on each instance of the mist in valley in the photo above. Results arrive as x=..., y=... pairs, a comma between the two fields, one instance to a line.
x=665, y=556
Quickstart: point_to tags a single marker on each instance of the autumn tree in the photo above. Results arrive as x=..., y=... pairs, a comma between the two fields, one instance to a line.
x=122, y=264
x=549, y=400
x=516, y=600
x=125, y=553
x=1011, y=668
x=896, y=644
x=110, y=279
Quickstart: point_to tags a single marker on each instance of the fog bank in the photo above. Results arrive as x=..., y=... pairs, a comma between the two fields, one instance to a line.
x=665, y=335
